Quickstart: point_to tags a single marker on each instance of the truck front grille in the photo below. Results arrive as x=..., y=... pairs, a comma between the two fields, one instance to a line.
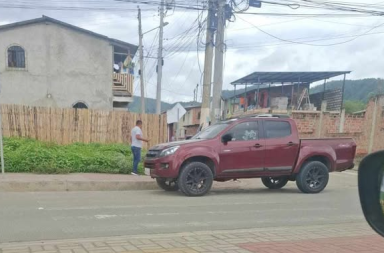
x=153, y=153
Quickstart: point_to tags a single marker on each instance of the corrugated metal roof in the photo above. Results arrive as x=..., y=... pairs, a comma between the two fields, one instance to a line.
x=287, y=77
x=230, y=95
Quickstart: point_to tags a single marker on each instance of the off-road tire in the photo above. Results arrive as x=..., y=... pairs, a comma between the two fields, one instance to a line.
x=195, y=179
x=274, y=182
x=169, y=186
x=313, y=177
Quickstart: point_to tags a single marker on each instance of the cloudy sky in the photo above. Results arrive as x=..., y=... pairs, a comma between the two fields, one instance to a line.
x=253, y=42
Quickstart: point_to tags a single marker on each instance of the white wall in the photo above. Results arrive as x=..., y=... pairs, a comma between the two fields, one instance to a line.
x=69, y=65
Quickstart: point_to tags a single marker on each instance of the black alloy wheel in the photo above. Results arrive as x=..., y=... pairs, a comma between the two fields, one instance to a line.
x=313, y=177
x=195, y=179
x=167, y=185
x=274, y=182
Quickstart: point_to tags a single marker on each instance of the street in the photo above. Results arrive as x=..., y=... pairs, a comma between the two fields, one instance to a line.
x=74, y=215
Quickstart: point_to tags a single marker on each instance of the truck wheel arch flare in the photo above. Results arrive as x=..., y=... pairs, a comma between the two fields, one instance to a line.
x=307, y=154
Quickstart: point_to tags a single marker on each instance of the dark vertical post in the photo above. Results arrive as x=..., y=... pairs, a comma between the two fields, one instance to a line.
x=342, y=94
x=298, y=92
x=269, y=96
x=282, y=89
x=292, y=91
x=245, y=99
x=258, y=93
x=324, y=88
x=234, y=99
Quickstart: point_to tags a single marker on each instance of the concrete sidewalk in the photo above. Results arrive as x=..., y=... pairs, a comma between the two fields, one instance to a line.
x=331, y=238
x=15, y=182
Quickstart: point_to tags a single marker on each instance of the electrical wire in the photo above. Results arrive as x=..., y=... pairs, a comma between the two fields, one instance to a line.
x=310, y=44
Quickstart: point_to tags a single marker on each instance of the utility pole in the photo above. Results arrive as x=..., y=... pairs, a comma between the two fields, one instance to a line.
x=197, y=91
x=207, y=80
x=219, y=56
x=160, y=60
x=1, y=141
x=141, y=63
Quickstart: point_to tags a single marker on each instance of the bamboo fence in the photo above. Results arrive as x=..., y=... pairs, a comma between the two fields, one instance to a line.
x=66, y=126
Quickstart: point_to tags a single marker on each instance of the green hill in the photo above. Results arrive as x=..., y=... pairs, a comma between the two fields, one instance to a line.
x=150, y=105
x=355, y=90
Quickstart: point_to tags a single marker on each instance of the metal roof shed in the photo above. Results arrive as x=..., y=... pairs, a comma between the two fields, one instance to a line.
x=308, y=77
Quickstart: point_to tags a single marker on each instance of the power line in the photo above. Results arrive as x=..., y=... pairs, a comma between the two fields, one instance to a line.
x=289, y=43
x=334, y=6
x=309, y=44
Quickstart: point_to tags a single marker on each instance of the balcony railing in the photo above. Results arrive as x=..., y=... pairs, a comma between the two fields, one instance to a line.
x=123, y=84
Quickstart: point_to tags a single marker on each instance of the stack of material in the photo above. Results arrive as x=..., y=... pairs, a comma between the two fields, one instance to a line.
x=279, y=103
x=309, y=107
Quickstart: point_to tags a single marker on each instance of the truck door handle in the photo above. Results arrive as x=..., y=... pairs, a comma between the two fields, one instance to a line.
x=257, y=145
x=291, y=143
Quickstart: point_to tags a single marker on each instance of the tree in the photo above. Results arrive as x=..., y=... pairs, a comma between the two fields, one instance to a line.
x=352, y=106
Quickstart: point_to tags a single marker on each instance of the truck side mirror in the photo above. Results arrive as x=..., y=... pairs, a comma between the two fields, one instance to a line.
x=226, y=138
x=371, y=190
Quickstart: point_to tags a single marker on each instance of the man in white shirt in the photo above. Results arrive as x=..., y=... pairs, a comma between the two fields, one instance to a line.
x=137, y=144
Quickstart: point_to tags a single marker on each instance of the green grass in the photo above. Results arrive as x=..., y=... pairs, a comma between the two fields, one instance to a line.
x=31, y=156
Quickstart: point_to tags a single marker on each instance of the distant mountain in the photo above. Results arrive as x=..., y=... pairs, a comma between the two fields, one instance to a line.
x=150, y=105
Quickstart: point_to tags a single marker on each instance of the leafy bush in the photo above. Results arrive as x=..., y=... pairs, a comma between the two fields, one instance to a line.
x=353, y=106
x=27, y=155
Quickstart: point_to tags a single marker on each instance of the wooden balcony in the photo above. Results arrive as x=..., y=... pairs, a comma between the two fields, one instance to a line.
x=122, y=85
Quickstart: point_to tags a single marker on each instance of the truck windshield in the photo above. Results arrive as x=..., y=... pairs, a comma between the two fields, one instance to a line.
x=211, y=132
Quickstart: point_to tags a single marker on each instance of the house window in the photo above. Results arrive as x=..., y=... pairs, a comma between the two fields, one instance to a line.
x=184, y=118
x=198, y=115
x=80, y=105
x=16, y=57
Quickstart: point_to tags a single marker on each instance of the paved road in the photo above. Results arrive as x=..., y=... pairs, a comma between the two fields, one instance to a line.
x=43, y=216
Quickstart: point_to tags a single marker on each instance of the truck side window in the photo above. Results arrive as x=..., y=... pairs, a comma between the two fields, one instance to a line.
x=245, y=131
x=277, y=129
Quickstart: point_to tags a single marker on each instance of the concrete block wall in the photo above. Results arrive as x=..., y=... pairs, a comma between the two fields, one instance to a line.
x=354, y=124
x=367, y=129
x=307, y=123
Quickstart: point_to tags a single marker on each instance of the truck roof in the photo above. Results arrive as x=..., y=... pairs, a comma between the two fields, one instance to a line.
x=269, y=116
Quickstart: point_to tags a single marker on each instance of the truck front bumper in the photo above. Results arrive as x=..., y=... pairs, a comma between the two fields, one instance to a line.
x=164, y=167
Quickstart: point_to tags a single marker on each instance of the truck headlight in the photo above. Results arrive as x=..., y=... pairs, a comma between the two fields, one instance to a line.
x=169, y=151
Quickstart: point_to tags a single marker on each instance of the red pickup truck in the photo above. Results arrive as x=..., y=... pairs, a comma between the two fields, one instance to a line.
x=255, y=147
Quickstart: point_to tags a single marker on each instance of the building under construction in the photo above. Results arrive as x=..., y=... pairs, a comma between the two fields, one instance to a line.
x=282, y=91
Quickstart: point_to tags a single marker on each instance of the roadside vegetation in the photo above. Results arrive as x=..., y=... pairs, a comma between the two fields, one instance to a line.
x=31, y=156
x=354, y=106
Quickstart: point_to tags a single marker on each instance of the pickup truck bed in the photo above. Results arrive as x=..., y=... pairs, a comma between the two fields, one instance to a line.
x=341, y=150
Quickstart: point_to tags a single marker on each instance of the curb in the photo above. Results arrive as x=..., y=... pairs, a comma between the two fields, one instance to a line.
x=61, y=186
